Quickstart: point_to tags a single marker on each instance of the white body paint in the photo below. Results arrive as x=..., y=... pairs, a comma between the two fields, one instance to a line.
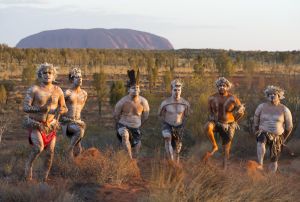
x=132, y=110
x=272, y=118
x=173, y=111
x=275, y=118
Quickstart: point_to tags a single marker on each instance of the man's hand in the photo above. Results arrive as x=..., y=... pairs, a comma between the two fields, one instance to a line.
x=286, y=135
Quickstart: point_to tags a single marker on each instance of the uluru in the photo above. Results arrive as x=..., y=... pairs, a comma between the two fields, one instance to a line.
x=95, y=38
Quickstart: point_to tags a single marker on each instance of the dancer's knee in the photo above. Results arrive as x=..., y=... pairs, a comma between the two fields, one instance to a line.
x=209, y=127
x=166, y=135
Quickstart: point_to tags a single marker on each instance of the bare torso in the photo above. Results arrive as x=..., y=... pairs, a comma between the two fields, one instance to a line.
x=129, y=112
x=221, y=107
x=75, y=101
x=173, y=112
x=40, y=96
x=273, y=119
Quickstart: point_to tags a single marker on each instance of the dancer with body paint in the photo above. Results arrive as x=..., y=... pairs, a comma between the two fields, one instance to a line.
x=273, y=125
x=44, y=103
x=225, y=110
x=72, y=125
x=173, y=112
x=130, y=114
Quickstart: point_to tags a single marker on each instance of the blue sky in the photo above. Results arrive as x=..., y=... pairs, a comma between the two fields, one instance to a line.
x=226, y=24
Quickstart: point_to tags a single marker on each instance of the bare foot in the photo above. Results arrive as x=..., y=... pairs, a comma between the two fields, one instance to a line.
x=214, y=149
x=206, y=157
x=260, y=167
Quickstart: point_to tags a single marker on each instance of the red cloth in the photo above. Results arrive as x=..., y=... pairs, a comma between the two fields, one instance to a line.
x=47, y=138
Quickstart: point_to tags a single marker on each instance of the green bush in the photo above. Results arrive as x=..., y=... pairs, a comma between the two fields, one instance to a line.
x=3, y=94
x=117, y=91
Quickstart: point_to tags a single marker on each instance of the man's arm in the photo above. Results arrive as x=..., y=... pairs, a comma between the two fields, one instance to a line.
x=239, y=110
x=118, y=110
x=62, y=104
x=146, y=110
x=187, y=110
x=85, y=97
x=288, y=123
x=28, y=100
x=162, y=111
x=212, y=116
x=67, y=94
x=256, y=119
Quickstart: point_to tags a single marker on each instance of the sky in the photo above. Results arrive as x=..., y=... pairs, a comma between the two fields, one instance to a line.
x=272, y=25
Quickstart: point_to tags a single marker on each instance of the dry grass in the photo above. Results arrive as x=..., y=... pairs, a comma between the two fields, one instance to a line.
x=198, y=182
x=94, y=166
x=35, y=192
x=193, y=181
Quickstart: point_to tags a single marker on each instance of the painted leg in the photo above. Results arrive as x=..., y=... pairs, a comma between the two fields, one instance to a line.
x=168, y=144
x=169, y=149
x=211, y=136
x=75, y=140
x=78, y=149
x=178, y=149
x=226, y=154
x=49, y=159
x=126, y=143
x=37, y=149
x=261, y=151
x=137, y=149
x=35, y=152
x=273, y=166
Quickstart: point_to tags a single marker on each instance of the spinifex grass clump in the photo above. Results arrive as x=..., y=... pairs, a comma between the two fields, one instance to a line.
x=25, y=192
x=94, y=166
x=197, y=182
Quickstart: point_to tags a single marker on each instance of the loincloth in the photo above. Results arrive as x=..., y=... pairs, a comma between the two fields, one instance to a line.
x=274, y=142
x=66, y=121
x=226, y=131
x=135, y=134
x=176, y=132
x=48, y=132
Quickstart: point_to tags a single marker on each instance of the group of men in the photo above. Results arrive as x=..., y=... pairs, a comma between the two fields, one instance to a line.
x=46, y=105
x=272, y=122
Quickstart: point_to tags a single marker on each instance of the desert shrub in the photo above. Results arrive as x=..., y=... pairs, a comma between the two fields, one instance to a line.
x=197, y=90
x=5, y=122
x=94, y=166
x=99, y=83
x=3, y=94
x=198, y=182
x=167, y=78
x=117, y=91
x=35, y=192
x=9, y=85
x=28, y=75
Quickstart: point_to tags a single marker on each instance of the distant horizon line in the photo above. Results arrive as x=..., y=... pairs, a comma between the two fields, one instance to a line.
x=175, y=49
x=225, y=49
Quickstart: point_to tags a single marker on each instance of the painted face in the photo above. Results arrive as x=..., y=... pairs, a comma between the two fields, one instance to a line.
x=47, y=75
x=176, y=93
x=273, y=97
x=77, y=80
x=222, y=88
x=134, y=90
